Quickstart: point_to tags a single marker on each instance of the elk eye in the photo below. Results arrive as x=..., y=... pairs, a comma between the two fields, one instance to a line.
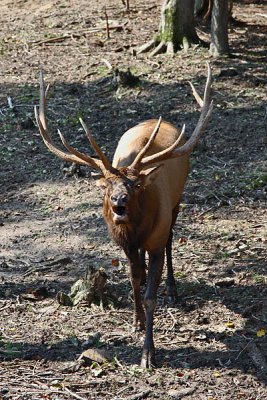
x=138, y=185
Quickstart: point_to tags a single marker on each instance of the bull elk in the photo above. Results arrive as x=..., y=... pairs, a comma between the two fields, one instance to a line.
x=142, y=191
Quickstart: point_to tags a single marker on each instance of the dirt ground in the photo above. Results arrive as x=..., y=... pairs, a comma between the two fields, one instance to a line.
x=211, y=345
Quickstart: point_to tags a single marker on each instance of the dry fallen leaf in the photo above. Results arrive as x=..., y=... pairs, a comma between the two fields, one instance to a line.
x=40, y=293
x=182, y=240
x=226, y=282
x=230, y=324
x=58, y=208
x=99, y=355
x=261, y=332
x=64, y=299
x=201, y=336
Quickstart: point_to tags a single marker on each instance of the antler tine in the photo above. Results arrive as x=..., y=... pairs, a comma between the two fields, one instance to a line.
x=188, y=147
x=173, y=151
x=75, y=155
x=87, y=159
x=207, y=88
x=196, y=95
x=164, y=154
x=148, y=145
x=206, y=111
x=50, y=145
x=95, y=146
x=41, y=122
x=42, y=105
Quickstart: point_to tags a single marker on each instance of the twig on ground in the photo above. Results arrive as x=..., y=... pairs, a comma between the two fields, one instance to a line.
x=76, y=35
x=107, y=23
x=5, y=307
x=208, y=210
x=140, y=395
x=36, y=269
x=74, y=394
x=10, y=102
x=242, y=351
x=179, y=394
x=107, y=64
x=173, y=318
x=126, y=4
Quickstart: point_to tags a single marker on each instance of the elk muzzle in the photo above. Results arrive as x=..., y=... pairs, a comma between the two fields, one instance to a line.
x=118, y=203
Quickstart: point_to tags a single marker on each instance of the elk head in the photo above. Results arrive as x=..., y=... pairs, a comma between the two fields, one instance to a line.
x=123, y=193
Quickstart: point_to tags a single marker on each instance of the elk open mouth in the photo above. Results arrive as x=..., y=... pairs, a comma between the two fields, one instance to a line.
x=119, y=214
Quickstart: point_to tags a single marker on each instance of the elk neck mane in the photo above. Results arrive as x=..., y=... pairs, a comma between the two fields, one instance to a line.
x=127, y=235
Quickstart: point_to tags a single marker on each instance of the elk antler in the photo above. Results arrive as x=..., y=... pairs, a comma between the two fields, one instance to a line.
x=173, y=151
x=95, y=146
x=145, y=149
x=73, y=155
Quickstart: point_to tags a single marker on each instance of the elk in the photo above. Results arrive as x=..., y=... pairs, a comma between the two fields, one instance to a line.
x=142, y=191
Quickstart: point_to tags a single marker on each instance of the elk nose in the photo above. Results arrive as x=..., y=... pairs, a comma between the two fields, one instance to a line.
x=119, y=199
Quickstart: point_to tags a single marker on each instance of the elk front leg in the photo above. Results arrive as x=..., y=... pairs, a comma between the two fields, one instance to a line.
x=156, y=261
x=142, y=254
x=136, y=277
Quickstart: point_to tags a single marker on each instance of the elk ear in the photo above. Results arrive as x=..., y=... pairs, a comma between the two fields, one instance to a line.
x=102, y=183
x=149, y=175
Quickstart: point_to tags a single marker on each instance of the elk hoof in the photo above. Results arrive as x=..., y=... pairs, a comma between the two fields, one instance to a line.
x=139, y=323
x=148, y=359
x=171, y=293
x=139, y=326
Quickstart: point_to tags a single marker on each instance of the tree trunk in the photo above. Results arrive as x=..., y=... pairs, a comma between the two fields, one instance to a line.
x=219, y=28
x=176, y=30
x=203, y=9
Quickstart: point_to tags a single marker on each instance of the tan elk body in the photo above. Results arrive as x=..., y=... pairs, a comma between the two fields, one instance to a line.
x=163, y=194
x=142, y=191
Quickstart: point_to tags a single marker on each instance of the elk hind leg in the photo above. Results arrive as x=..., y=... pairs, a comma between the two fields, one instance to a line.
x=171, y=290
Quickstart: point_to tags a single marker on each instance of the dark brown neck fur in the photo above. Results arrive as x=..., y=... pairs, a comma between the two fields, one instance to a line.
x=129, y=235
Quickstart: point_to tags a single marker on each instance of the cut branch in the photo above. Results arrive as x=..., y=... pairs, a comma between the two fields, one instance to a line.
x=76, y=34
x=107, y=23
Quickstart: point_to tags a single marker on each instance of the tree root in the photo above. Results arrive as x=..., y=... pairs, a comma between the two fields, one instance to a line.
x=170, y=48
x=161, y=48
x=158, y=47
x=147, y=46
